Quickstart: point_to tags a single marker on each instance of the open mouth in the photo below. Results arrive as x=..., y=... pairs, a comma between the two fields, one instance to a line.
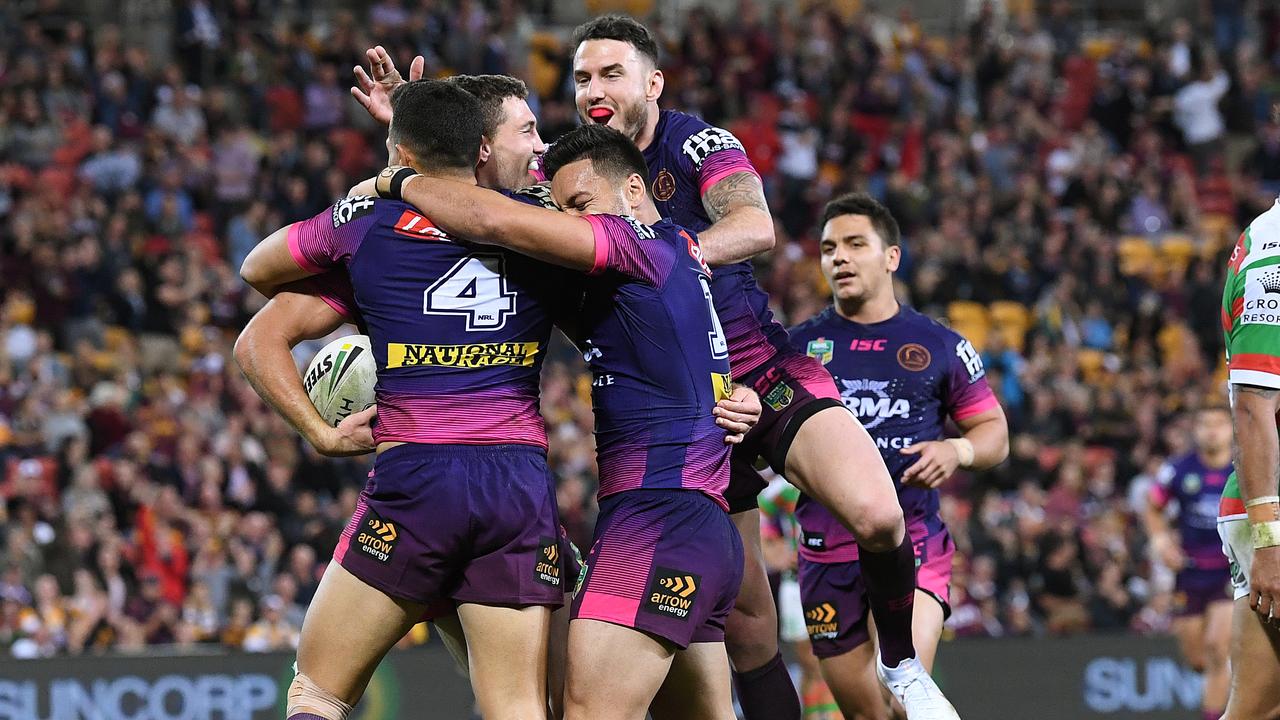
x=600, y=114
x=845, y=276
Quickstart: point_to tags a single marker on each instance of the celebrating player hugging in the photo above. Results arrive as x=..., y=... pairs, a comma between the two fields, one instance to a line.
x=457, y=269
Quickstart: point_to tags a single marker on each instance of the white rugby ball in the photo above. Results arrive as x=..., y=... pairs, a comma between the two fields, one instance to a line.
x=341, y=377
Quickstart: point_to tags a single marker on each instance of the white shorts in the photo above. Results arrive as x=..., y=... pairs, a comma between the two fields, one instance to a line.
x=1237, y=544
x=791, y=612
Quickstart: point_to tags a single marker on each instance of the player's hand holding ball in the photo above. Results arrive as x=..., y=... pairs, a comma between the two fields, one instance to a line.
x=738, y=413
x=937, y=460
x=352, y=436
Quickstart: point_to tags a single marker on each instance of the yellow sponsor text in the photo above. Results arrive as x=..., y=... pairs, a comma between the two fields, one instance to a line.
x=475, y=355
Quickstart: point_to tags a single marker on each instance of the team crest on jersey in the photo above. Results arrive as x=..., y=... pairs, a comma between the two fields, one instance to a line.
x=1191, y=484
x=779, y=397
x=671, y=592
x=547, y=569
x=664, y=186
x=821, y=621
x=350, y=208
x=821, y=350
x=702, y=144
x=377, y=538
x=914, y=357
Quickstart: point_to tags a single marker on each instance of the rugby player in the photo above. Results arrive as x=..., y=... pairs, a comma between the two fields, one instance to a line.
x=701, y=179
x=1249, y=512
x=421, y=534
x=1189, y=488
x=903, y=374
x=666, y=561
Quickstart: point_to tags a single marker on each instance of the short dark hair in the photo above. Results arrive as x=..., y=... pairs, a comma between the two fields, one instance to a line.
x=609, y=151
x=438, y=122
x=621, y=28
x=863, y=204
x=491, y=91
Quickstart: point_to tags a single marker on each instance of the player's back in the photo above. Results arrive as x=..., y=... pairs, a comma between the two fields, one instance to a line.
x=658, y=360
x=687, y=157
x=458, y=330
x=1195, y=488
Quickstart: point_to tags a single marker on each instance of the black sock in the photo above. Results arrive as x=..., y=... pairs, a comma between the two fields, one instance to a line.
x=891, y=589
x=767, y=692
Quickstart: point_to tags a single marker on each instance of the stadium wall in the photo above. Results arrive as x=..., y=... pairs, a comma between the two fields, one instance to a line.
x=1079, y=678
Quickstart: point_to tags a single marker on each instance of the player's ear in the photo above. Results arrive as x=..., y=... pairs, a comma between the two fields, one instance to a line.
x=405, y=156
x=486, y=149
x=656, y=83
x=893, y=257
x=635, y=191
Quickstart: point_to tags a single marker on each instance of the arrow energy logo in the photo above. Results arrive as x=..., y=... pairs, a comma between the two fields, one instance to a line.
x=547, y=569
x=821, y=622
x=672, y=592
x=377, y=537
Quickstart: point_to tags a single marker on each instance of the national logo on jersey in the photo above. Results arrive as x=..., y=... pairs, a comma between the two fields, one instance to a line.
x=350, y=208
x=547, y=569
x=414, y=225
x=914, y=357
x=971, y=359
x=702, y=144
x=664, y=186
x=871, y=402
x=821, y=350
x=671, y=592
x=821, y=621
x=1261, y=296
x=475, y=355
x=377, y=538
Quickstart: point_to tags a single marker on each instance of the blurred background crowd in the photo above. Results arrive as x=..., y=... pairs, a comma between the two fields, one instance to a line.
x=1067, y=198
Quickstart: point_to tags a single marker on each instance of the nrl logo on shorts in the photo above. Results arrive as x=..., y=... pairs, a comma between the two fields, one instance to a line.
x=821, y=350
x=671, y=592
x=821, y=622
x=377, y=537
x=780, y=396
x=547, y=570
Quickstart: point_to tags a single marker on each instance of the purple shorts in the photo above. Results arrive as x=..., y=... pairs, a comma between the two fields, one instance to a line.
x=834, y=595
x=1195, y=589
x=792, y=387
x=467, y=523
x=666, y=562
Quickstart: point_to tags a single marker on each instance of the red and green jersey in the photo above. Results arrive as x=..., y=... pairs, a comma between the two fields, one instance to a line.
x=1251, y=321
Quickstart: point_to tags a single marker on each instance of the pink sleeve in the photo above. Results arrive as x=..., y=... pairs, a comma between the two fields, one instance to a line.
x=720, y=165
x=630, y=248
x=330, y=238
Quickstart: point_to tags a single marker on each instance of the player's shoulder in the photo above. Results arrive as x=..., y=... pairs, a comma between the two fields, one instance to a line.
x=538, y=195
x=928, y=329
x=695, y=138
x=1260, y=242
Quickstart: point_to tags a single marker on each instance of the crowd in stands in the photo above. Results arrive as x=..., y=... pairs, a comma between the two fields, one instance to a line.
x=1067, y=199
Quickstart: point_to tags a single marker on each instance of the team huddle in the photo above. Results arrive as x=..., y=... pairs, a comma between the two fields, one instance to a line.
x=632, y=235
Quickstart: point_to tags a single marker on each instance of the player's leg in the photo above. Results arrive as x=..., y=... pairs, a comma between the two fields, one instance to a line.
x=348, y=629
x=1189, y=629
x=935, y=551
x=1217, y=641
x=507, y=651
x=697, y=686
x=1255, y=666
x=596, y=688
x=765, y=688
x=833, y=596
x=558, y=656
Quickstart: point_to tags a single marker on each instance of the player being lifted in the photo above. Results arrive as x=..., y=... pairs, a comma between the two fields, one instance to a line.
x=904, y=375
x=701, y=179
x=1249, y=513
x=1189, y=487
x=666, y=561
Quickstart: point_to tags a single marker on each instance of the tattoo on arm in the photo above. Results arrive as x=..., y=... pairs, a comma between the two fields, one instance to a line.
x=1262, y=392
x=736, y=190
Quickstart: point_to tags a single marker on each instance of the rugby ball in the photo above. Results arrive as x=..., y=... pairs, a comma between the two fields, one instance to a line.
x=341, y=377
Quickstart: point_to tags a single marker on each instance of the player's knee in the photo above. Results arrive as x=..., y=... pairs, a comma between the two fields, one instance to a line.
x=308, y=698
x=750, y=640
x=879, y=528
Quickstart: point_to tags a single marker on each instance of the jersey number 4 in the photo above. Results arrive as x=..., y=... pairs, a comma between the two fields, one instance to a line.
x=476, y=288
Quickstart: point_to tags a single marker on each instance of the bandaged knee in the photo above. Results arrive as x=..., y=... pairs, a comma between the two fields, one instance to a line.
x=308, y=701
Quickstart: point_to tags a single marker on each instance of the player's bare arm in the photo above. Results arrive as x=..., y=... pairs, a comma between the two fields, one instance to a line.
x=485, y=216
x=1257, y=461
x=1163, y=541
x=984, y=443
x=263, y=353
x=270, y=264
x=741, y=224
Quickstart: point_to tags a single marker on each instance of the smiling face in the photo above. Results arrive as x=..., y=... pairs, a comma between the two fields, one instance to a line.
x=614, y=84
x=855, y=260
x=513, y=149
x=580, y=190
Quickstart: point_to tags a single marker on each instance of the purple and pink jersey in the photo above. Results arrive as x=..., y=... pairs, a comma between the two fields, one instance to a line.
x=686, y=157
x=658, y=359
x=458, y=330
x=902, y=378
x=1196, y=489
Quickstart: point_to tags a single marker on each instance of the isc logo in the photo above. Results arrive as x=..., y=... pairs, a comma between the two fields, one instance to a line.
x=868, y=345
